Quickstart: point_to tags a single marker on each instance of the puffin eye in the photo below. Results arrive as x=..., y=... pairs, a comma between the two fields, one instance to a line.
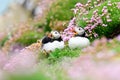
x=79, y=29
x=55, y=32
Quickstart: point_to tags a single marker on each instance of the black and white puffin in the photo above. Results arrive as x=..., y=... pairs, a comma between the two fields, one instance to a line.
x=79, y=40
x=52, y=42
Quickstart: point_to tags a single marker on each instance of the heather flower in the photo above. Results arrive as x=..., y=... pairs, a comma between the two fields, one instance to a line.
x=109, y=20
x=108, y=17
x=72, y=22
x=75, y=11
x=93, y=26
x=104, y=25
x=78, y=5
x=109, y=3
x=95, y=13
x=96, y=19
x=105, y=10
x=68, y=32
x=118, y=5
x=87, y=5
x=95, y=35
x=86, y=28
x=89, y=1
x=95, y=4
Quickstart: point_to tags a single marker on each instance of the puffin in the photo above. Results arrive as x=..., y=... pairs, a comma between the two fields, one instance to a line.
x=79, y=40
x=52, y=41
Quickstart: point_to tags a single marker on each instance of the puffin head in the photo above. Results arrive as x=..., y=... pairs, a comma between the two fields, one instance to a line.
x=79, y=31
x=55, y=34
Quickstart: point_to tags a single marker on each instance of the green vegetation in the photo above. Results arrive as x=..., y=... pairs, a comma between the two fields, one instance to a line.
x=35, y=76
x=66, y=52
x=3, y=41
x=29, y=38
x=61, y=11
x=113, y=27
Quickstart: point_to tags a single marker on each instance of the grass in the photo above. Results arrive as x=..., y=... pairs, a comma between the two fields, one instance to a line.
x=115, y=46
x=112, y=27
x=58, y=54
x=34, y=76
x=29, y=38
x=3, y=41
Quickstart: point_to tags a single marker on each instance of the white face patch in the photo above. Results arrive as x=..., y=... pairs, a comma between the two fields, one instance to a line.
x=79, y=30
x=55, y=34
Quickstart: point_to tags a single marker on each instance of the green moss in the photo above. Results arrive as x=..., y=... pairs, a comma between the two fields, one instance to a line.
x=112, y=27
x=29, y=38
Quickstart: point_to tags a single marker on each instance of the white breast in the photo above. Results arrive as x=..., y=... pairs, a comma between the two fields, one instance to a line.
x=78, y=42
x=51, y=46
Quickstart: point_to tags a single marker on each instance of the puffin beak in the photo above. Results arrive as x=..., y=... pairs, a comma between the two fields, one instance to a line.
x=75, y=33
x=50, y=35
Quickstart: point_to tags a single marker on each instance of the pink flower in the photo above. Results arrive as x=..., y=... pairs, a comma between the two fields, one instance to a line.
x=95, y=35
x=89, y=1
x=95, y=12
x=78, y=5
x=99, y=20
x=94, y=26
x=21, y=62
x=109, y=3
x=68, y=32
x=86, y=28
x=105, y=10
x=104, y=25
x=109, y=20
x=118, y=5
x=75, y=11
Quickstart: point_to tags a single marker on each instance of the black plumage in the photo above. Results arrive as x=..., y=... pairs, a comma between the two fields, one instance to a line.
x=48, y=39
x=59, y=39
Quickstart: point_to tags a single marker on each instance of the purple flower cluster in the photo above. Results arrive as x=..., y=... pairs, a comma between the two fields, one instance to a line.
x=68, y=32
x=97, y=20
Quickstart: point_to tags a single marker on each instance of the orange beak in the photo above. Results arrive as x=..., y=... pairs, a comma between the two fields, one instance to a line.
x=50, y=35
x=75, y=33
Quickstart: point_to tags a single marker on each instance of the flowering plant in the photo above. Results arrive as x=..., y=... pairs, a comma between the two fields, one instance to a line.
x=97, y=18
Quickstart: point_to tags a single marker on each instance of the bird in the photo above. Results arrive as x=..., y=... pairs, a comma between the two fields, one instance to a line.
x=79, y=40
x=52, y=41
